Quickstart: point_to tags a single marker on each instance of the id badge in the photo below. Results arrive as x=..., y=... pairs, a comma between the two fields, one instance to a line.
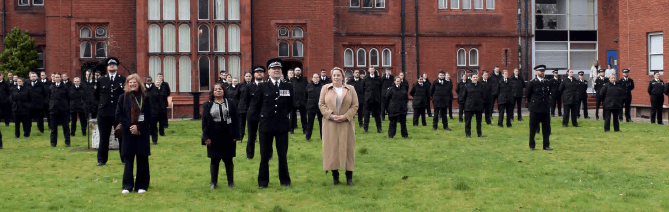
x=284, y=92
x=141, y=117
x=229, y=120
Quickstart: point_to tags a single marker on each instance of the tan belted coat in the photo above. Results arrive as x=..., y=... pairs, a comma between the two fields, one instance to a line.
x=338, y=138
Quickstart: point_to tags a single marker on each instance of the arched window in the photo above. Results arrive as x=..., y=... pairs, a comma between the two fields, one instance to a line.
x=387, y=58
x=348, y=58
x=184, y=10
x=100, y=32
x=85, y=32
x=298, y=49
x=169, y=38
x=283, y=49
x=184, y=38
x=233, y=10
x=154, y=38
x=86, y=50
x=362, y=57
x=219, y=9
x=233, y=38
x=234, y=66
x=219, y=65
x=204, y=73
x=203, y=9
x=462, y=57
x=298, y=33
x=203, y=39
x=170, y=70
x=219, y=46
x=374, y=58
x=154, y=66
x=283, y=32
x=473, y=57
x=184, y=74
x=101, y=50
x=169, y=10
x=154, y=9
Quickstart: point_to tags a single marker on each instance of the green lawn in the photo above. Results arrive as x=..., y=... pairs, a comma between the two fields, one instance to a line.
x=589, y=170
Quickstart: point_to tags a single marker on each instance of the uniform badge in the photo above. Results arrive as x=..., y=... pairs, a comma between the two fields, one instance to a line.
x=284, y=93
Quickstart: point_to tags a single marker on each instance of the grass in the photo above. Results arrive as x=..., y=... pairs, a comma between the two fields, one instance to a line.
x=589, y=170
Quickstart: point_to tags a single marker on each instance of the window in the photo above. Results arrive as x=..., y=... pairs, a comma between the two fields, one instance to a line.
x=234, y=66
x=184, y=38
x=169, y=10
x=154, y=66
x=655, y=52
x=85, y=33
x=170, y=70
x=184, y=10
x=169, y=38
x=466, y=4
x=354, y=3
x=233, y=10
x=462, y=57
x=219, y=46
x=203, y=10
x=233, y=38
x=85, y=50
x=380, y=3
x=40, y=59
x=490, y=4
x=219, y=65
x=348, y=58
x=387, y=58
x=154, y=9
x=154, y=38
x=24, y=3
x=101, y=50
x=478, y=4
x=219, y=9
x=297, y=49
x=203, y=39
x=367, y=3
x=204, y=73
x=374, y=58
x=455, y=4
x=298, y=33
x=184, y=74
x=283, y=49
x=100, y=32
x=38, y=2
x=362, y=57
x=473, y=57
x=443, y=4
x=283, y=32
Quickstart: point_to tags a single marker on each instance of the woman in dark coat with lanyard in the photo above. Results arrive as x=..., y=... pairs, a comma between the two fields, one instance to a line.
x=220, y=132
x=397, y=108
x=133, y=112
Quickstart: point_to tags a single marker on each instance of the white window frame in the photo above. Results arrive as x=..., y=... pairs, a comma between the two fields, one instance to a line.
x=217, y=16
x=82, y=48
x=457, y=57
x=152, y=9
x=443, y=4
x=278, y=32
x=455, y=6
x=166, y=6
x=377, y=1
x=183, y=10
x=378, y=64
x=352, y=61
x=208, y=39
x=292, y=34
x=198, y=13
x=166, y=36
x=234, y=38
x=301, y=45
x=26, y=3
x=199, y=86
x=35, y=4
x=488, y=7
x=364, y=62
x=217, y=37
x=96, y=32
x=470, y=57
x=185, y=74
x=159, y=46
x=279, y=49
x=390, y=58
x=351, y=5
x=96, y=49
x=82, y=29
x=474, y=5
x=362, y=5
x=650, y=54
x=184, y=37
x=470, y=5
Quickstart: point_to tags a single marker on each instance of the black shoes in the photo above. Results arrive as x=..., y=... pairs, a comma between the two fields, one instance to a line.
x=469, y=136
x=434, y=129
x=391, y=137
x=261, y=187
x=532, y=148
x=335, y=182
x=231, y=185
x=53, y=145
x=500, y=125
x=364, y=130
x=286, y=185
x=548, y=149
x=67, y=145
x=564, y=125
x=576, y=125
x=405, y=137
x=379, y=131
x=447, y=129
x=481, y=136
x=349, y=182
x=101, y=164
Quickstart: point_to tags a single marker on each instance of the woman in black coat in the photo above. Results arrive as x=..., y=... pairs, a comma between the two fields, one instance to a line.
x=474, y=97
x=421, y=100
x=397, y=108
x=611, y=93
x=21, y=108
x=220, y=132
x=133, y=112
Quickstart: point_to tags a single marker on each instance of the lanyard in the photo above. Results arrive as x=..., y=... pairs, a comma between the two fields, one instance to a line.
x=140, y=103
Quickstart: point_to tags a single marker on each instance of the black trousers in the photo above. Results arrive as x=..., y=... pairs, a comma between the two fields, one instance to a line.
x=251, y=142
x=25, y=120
x=439, y=112
x=597, y=104
x=656, y=103
x=556, y=100
x=584, y=106
x=62, y=120
x=6, y=113
x=242, y=126
x=45, y=111
x=450, y=109
x=154, y=130
x=545, y=120
x=468, y=122
x=517, y=103
x=38, y=116
x=570, y=109
x=374, y=109
x=384, y=108
x=82, y=119
x=461, y=111
x=303, y=115
x=229, y=169
x=627, y=105
x=392, y=129
x=105, y=125
x=487, y=110
x=361, y=113
x=162, y=120
x=266, y=140
x=310, y=123
x=143, y=176
x=0, y=138
x=429, y=110
x=419, y=112
x=611, y=114
x=502, y=108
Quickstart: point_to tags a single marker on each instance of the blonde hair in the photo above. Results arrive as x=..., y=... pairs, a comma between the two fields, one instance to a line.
x=336, y=69
x=136, y=78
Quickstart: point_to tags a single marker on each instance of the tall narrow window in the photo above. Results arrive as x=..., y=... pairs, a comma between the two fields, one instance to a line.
x=348, y=58
x=184, y=74
x=100, y=32
x=297, y=49
x=466, y=4
x=184, y=10
x=85, y=50
x=462, y=57
x=40, y=59
x=219, y=65
x=169, y=38
x=283, y=49
x=169, y=10
x=203, y=9
x=85, y=32
x=387, y=58
x=455, y=4
x=154, y=9
x=170, y=70
x=184, y=38
x=374, y=58
x=234, y=66
x=354, y=3
x=219, y=9
x=298, y=33
x=233, y=10
x=203, y=39
x=204, y=73
x=367, y=3
x=655, y=52
x=101, y=50
x=233, y=38
x=154, y=38
x=443, y=4
x=154, y=66
x=380, y=3
x=220, y=39
x=490, y=4
x=362, y=57
x=478, y=4
x=473, y=57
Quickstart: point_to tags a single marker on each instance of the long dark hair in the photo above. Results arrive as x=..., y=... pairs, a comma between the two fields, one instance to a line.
x=211, y=93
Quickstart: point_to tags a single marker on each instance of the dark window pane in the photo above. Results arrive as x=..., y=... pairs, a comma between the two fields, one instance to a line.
x=204, y=73
x=283, y=49
x=583, y=35
x=367, y=3
x=100, y=50
x=203, y=39
x=203, y=9
x=552, y=35
x=355, y=3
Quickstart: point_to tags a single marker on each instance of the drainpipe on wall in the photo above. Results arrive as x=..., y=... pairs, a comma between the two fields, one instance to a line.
x=252, y=43
x=417, y=42
x=403, y=53
x=527, y=41
x=4, y=20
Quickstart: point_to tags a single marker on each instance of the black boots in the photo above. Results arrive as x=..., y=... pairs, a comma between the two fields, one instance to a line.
x=349, y=178
x=229, y=171
x=213, y=169
x=335, y=177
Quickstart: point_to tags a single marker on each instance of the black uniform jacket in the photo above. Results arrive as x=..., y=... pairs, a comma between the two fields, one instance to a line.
x=274, y=105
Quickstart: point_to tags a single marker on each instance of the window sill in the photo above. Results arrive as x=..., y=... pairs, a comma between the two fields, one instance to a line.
x=366, y=10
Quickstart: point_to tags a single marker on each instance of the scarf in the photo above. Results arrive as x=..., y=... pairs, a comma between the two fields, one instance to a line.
x=219, y=111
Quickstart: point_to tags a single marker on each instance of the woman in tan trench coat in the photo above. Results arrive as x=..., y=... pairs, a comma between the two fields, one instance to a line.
x=338, y=104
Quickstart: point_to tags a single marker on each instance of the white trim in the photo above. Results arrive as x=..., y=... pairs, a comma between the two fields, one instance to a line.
x=96, y=49
x=377, y=1
x=650, y=54
x=490, y=8
x=443, y=4
x=35, y=4
x=364, y=63
x=96, y=32
x=474, y=5
x=363, y=6
x=301, y=49
x=89, y=30
x=470, y=4
x=457, y=57
x=378, y=64
x=349, y=4
x=198, y=10
x=456, y=6
x=27, y=3
x=208, y=39
x=352, y=64
x=187, y=37
x=477, y=57
x=278, y=32
x=292, y=34
x=81, y=49
x=390, y=57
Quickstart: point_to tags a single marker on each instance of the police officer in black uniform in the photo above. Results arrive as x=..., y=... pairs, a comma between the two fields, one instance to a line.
x=373, y=100
x=538, y=96
x=108, y=90
x=153, y=93
x=582, y=94
x=165, y=91
x=5, y=105
x=397, y=99
x=504, y=93
x=462, y=84
x=474, y=96
x=421, y=100
x=243, y=103
x=274, y=100
x=78, y=104
x=518, y=84
x=488, y=86
x=441, y=92
x=47, y=85
x=556, y=95
x=39, y=95
x=299, y=84
x=656, y=92
x=359, y=86
x=627, y=84
x=569, y=89
x=253, y=116
x=599, y=83
x=313, y=111
x=612, y=94
x=59, y=110
x=387, y=80
x=324, y=77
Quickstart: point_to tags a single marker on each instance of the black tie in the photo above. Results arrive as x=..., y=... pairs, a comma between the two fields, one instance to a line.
x=276, y=84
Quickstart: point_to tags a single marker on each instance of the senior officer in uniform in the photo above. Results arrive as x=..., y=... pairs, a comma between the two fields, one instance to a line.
x=108, y=90
x=582, y=94
x=569, y=89
x=538, y=96
x=274, y=100
x=656, y=92
x=627, y=84
x=612, y=94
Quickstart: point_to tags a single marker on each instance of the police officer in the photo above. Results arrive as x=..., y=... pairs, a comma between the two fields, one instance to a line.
x=165, y=92
x=599, y=83
x=556, y=96
x=441, y=92
x=313, y=111
x=518, y=84
x=21, y=99
x=421, y=100
x=78, y=104
x=299, y=84
x=59, y=108
x=153, y=93
x=38, y=94
x=65, y=79
x=612, y=94
x=5, y=105
x=253, y=116
x=47, y=85
x=569, y=89
x=222, y=78
x=388, y=80
x=107, y=92
x=243, y=103
x=91, y=86
x=429, y=85
x=582, y=94
x=656, y=92
x=474, y=97
x=232, y=90
x=324, y=77
x=627, y=84
x=373, y=101
x=462, y=84
x=504, y=93
x=489, y=97
x=359, y=86
x=274, y=100
x=538, y=96
x=397, y=99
